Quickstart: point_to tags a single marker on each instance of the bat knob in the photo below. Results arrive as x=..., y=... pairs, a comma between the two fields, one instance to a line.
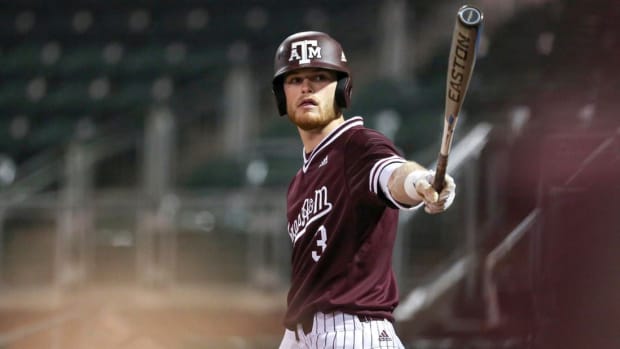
x=469, y=15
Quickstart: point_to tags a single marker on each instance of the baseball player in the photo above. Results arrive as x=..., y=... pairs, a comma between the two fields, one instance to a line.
x=342, y=205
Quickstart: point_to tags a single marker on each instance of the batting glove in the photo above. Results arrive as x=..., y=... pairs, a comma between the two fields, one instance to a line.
x=445, y=197
x=418, y=187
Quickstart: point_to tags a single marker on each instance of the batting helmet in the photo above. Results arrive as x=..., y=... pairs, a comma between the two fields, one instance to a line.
x=311, y=49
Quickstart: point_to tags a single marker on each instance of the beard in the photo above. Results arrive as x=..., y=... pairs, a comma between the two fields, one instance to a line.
x=315, y=120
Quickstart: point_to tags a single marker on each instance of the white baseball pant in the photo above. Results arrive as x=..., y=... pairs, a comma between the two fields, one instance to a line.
x=342, y=331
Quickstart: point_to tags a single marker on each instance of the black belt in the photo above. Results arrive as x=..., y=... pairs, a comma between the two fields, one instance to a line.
x=368, y=318
x=306, y=323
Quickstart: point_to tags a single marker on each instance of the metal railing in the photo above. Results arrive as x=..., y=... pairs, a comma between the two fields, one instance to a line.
x=528, y=230
x=462, y=166
x=503, y=249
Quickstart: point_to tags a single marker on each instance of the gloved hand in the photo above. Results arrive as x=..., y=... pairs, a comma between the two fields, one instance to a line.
x=445, y=197
x=433, y=202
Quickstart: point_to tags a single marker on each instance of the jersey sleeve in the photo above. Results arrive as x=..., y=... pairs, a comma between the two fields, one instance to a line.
x=367, y=154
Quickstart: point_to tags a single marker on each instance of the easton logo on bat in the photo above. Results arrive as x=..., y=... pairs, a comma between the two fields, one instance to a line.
x=457, y=75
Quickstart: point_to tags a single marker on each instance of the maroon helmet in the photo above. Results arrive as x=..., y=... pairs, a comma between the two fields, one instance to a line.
x=311, y=49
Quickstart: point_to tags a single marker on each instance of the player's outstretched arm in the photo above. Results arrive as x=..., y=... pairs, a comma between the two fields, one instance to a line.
x=410, y=184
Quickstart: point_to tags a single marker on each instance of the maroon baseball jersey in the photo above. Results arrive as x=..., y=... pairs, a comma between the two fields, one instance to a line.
x=343, y=227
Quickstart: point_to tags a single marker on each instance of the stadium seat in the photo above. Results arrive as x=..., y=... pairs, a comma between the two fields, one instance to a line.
x=20, y=61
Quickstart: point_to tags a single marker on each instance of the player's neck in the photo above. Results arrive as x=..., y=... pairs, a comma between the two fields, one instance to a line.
x=312, y=138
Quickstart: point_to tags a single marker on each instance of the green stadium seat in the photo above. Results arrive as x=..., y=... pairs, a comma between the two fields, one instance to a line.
x=70, y=96
x=20, y=61
x=80, y=62
x=221, y=172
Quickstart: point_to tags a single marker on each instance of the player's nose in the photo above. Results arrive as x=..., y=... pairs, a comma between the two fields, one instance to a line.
x=306, y=85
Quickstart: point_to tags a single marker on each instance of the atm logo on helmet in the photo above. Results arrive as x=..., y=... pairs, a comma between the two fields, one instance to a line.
x=305, y=50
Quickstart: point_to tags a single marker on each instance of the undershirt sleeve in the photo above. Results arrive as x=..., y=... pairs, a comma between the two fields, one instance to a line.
x=384, y=177
x=369, y=157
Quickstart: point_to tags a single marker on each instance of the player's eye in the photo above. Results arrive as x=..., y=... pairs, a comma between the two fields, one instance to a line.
x=315, y=77
x=294, y=80
x=320, y=77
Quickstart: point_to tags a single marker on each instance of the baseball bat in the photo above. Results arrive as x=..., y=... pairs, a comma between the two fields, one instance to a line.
x=461, y=63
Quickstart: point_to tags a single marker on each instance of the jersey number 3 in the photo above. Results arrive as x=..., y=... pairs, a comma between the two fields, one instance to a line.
x=321, y=243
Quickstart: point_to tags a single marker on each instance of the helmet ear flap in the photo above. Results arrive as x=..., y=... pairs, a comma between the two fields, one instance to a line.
x=278, y=92
x=343, y=92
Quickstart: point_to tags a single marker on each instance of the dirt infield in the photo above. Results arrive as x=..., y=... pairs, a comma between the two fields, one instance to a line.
x=131, y=318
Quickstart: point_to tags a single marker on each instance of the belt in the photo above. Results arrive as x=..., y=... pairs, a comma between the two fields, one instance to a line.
x=306, y=323
x=369, y=318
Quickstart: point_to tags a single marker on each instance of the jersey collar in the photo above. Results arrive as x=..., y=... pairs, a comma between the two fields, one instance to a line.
x=331, y=137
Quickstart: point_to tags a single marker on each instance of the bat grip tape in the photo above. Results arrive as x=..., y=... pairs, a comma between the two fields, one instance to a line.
x=440, y=173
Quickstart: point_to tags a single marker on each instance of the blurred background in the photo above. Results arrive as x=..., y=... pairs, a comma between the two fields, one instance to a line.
x=143, y=170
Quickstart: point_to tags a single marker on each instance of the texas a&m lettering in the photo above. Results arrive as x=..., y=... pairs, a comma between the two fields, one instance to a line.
x=305, y=50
